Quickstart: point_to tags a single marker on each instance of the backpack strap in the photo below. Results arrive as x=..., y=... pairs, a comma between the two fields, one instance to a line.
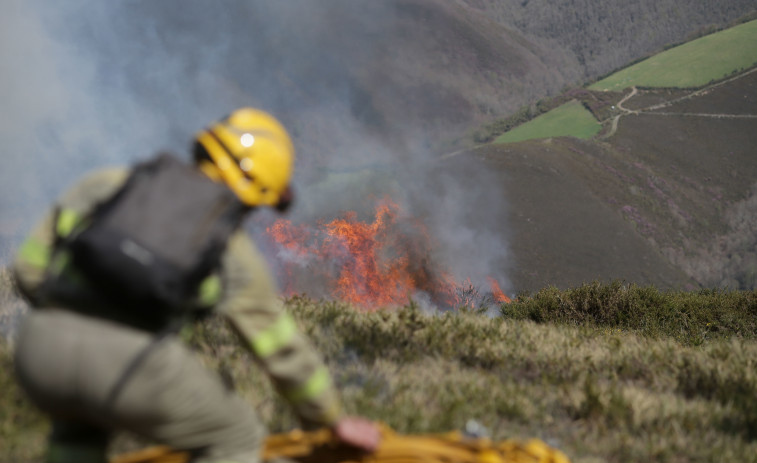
x=173, y=327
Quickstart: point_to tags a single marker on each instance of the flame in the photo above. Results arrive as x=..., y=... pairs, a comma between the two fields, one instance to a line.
x=373, y=264
x=497, y=293
x=367, y=277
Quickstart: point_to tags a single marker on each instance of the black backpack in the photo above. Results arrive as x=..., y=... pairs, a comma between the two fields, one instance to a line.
x=150, y=245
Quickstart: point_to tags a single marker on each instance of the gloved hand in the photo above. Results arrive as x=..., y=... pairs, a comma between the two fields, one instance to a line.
x=358, y=432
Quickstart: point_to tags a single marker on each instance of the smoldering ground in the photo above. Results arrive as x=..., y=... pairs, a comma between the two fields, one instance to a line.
x=88, y=84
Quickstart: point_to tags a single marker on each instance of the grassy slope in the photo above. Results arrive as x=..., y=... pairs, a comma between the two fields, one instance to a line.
x=692, y=64
x=606, y=372
x=570, y=119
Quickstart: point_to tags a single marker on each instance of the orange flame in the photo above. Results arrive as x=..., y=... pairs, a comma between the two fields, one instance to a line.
x=374, y=264
x=366, y=278
x=497, y=293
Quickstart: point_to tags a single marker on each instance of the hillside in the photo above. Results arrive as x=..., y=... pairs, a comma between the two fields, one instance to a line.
x=664, y=195
x=439, y=68
x=354, y=80
x=668, y=198
x=602, y=36
x=361, y=84
x=564, y=232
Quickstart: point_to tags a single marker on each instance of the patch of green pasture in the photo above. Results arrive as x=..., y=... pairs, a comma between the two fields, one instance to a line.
x=568, y=120
x=692, y=64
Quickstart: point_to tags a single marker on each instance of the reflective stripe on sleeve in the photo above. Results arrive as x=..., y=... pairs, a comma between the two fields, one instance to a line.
x=318, y=382
x=275, y=337
x=35, y=253
x=60, y=261
x=67, y=220
x=210, y=290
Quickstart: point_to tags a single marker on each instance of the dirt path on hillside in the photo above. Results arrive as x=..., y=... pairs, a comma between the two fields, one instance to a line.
x=649, y=109
x=624, y=112
x=717, y=116
x=700, y=92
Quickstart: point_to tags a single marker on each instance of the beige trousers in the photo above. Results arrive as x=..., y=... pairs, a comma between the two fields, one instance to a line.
x=69, y=365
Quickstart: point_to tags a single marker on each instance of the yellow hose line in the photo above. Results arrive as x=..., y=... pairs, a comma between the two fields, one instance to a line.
x=321, y=446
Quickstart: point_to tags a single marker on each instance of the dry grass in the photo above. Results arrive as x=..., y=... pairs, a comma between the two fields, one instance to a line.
x=11, y=305
x=22, y=428
x=598, y=390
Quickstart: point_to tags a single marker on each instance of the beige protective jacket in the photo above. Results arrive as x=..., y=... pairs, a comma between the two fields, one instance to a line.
x=246, y=295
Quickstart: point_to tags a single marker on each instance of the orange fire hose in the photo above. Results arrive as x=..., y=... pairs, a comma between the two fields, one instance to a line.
x=321, y=447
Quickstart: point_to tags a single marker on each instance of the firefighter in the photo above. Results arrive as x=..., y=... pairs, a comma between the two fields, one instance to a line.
x=72, y=359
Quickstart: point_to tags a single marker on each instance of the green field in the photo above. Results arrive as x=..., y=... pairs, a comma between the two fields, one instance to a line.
x=570, y=119
x=692, y=64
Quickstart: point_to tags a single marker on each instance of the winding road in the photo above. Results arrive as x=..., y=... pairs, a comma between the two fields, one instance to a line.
x=648, y=110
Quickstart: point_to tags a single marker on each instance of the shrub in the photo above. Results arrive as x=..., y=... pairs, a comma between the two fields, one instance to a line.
x=689, y=317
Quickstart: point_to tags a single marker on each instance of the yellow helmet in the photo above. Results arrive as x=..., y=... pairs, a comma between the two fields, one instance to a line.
x=251, y=152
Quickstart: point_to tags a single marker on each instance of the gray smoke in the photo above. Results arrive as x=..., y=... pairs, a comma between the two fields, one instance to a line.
x=87, y=84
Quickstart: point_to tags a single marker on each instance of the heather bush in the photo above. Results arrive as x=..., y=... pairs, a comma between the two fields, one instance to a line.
x=688, y=317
